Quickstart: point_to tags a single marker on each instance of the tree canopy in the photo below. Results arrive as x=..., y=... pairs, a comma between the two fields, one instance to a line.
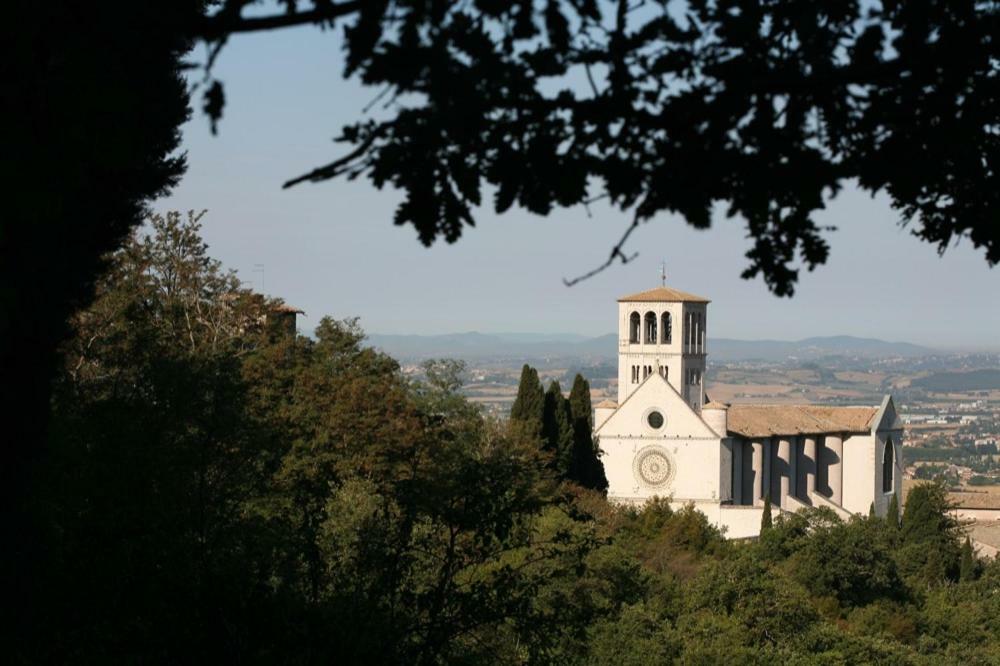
x=95, y=96
x=218, y=489
x=767, y=108
x=563, y=427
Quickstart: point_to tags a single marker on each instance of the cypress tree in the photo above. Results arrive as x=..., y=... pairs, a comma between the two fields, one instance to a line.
x=892, y=514
x=967, y=566
x=529, y=406
x=557, y=430
x=765, y=519
x=585, y=467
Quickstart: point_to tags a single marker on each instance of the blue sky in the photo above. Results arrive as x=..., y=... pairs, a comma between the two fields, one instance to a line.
x=331, y=248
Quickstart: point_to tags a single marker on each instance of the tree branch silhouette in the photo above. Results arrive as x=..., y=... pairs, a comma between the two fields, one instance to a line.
x=617, y=252
x=228, y=20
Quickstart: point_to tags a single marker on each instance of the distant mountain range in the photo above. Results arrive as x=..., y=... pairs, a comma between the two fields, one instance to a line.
x=726, y=349
x=533, y=346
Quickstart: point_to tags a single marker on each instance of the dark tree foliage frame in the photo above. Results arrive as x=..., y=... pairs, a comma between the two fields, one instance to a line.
x=94, y=96
x=766, y=107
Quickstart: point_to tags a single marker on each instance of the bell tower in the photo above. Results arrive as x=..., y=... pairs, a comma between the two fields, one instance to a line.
x=662, y=331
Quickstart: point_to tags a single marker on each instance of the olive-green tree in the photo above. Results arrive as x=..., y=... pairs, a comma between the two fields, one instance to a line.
x=930, y=535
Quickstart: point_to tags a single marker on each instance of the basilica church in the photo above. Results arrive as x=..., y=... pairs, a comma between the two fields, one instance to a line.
x=663, y=437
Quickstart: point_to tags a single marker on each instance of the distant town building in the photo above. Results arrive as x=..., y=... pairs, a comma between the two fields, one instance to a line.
x=663, y=437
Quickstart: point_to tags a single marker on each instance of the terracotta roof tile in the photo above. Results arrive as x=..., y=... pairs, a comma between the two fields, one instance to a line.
x=662, y=295
x=767, y=420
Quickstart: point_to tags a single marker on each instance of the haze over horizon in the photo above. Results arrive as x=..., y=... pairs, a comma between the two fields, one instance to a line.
x=332, y=248
x=564, y=335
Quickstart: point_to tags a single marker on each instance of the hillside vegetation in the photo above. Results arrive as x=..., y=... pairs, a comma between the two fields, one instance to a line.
x=971, y=380
x=222, y=490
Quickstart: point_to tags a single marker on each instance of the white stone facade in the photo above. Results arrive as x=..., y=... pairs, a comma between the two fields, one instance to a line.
x=662, y=439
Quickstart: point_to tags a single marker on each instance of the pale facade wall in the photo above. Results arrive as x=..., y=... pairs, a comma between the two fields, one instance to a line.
x=737, y=522
x=803, y=473
x=832, y=466
x=716, y=419
x=859, y=472
x=692, y=448
x=601, y=415
x=695, y=462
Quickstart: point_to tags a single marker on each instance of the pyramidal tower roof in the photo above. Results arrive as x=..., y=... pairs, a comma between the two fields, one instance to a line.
x=662, y=295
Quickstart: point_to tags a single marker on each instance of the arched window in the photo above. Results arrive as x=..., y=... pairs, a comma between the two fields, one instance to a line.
x=666, y=329
x=887, y=467
x=634, y=321
x=650, y=328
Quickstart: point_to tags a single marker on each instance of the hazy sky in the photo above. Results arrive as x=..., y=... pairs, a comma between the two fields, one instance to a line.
x=331, y=248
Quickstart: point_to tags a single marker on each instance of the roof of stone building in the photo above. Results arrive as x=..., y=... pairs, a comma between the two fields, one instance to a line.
x=606, y=404
x=662, y=295
x=285, y=308
x=767, y=420
x=711, y=404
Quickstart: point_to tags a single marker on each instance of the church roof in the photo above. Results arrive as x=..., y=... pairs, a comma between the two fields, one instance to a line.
x=662, y=295
x=606, y=404
x=768, y=420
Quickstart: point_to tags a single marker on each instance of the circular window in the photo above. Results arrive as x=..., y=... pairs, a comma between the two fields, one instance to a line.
x=655, y=420
x=653, y=467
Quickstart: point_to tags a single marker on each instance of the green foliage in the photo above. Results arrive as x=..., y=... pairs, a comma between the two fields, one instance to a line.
x=852, y=562
x=980, y=480
x=113, y=131
x=529, y=405
x=218, y=492
x=564, y=426
x=970, y=380
x=967, y=564
x=152, y=449
x=930, y=536
x=585, y=468
x=892, y=513
x=765, y=520
x=557, y=430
